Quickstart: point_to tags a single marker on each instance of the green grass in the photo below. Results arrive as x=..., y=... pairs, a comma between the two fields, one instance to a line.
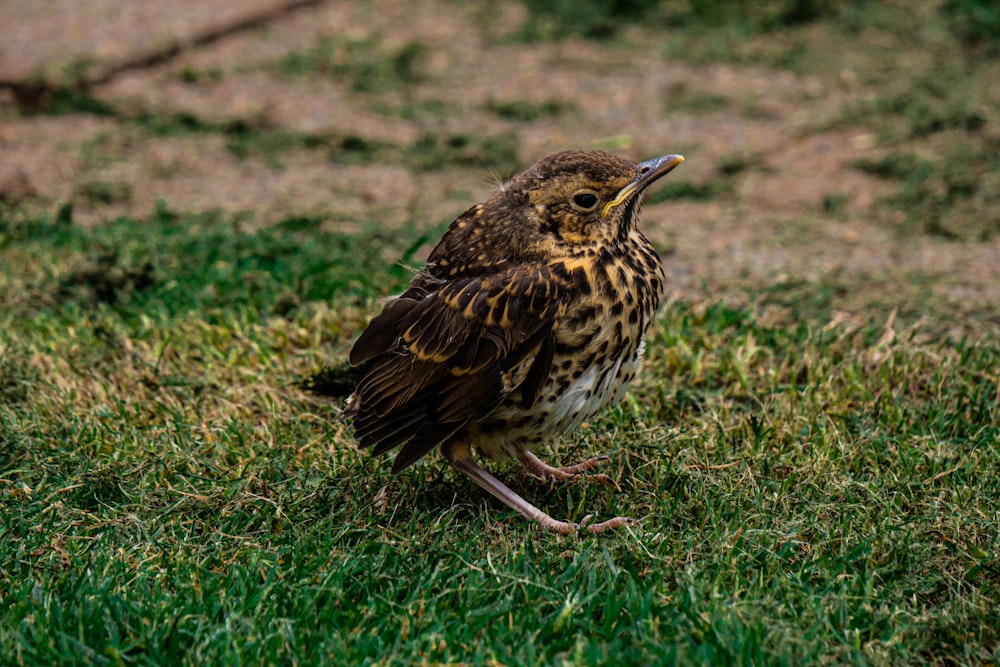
x=808, y=490
x=363, y=63
x=261, y=139
x=433, y=151
x=954, y=194
x=975, y=22
x=526, y=111
x=98, y=193
x=556, y=19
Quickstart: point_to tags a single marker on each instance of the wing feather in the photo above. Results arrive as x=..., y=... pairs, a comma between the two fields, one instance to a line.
x=447, y=352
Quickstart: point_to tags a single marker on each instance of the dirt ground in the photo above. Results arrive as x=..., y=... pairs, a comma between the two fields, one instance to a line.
x=220, y=62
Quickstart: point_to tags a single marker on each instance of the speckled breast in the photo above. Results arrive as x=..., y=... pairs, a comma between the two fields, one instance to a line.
x=599, y=347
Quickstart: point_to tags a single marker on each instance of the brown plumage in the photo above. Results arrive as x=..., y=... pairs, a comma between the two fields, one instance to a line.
x=527, y=319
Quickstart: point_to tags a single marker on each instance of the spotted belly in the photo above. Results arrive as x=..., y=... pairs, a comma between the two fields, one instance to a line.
x=599, y=344
x=565, y=402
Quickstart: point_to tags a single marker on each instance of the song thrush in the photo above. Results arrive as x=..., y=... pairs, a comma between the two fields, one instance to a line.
x=527, y=319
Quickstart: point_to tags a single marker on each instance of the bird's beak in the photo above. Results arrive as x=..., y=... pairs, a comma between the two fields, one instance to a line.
x=649, y=171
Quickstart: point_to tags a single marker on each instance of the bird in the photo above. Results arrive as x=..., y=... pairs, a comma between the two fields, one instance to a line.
x=528, y=318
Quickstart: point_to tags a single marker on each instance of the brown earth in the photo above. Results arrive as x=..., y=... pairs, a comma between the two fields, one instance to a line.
x=217, y=61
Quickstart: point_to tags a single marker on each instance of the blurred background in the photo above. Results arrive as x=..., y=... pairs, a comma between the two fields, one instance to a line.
x=851, y=142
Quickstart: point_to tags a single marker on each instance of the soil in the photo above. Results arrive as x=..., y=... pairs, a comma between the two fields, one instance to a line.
x=220, y=62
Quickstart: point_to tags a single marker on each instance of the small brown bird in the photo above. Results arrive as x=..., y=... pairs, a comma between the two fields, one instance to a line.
x=528, y=318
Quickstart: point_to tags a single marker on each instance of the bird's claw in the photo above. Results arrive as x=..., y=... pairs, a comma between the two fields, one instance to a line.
x=596, y=528
x=605, y=480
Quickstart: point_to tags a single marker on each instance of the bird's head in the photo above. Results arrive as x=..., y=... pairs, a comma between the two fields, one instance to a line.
x=584, y=198
x=565, y=204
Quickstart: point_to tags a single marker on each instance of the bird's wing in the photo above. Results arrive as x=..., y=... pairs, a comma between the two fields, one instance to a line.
x=449, y=351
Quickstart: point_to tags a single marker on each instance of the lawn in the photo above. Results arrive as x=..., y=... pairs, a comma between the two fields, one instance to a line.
x=813, y=463
x=806, y=489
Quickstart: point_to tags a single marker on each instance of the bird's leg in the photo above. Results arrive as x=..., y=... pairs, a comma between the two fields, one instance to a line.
x=459, y=455
x=545, y=472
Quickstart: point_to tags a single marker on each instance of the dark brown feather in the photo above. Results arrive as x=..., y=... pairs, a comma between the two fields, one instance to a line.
x=447, y=352
x=539, y=371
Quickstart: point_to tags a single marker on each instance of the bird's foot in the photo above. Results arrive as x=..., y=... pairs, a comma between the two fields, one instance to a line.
x=543, y=471
x=567, y=527
x=459, y=455
x=610, y=524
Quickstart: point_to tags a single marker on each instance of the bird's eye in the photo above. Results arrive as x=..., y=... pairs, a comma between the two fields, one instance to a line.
x=585, y=200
